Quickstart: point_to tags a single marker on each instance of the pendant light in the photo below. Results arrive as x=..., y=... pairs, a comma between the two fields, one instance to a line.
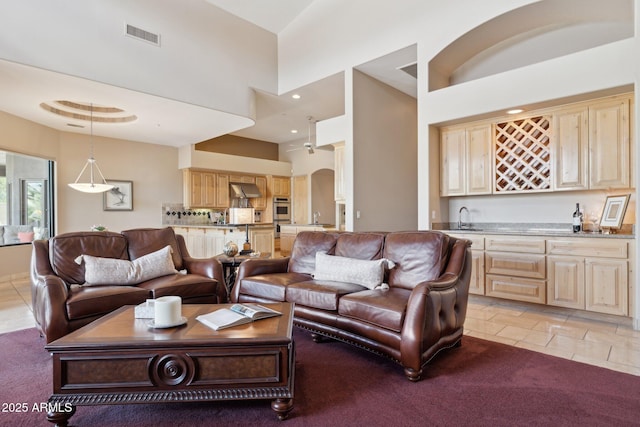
x=91, y=186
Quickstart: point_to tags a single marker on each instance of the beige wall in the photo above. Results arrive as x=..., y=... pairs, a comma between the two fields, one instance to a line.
x=152, y=168
x=385, y=146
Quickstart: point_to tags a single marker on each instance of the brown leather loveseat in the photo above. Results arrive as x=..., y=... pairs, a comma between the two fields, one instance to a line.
x=63, y=300
x=344, y=287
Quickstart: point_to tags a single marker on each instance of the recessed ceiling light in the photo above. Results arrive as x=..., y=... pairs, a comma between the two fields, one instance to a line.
x=515, y=111
x=294, y=130
x=295, y=96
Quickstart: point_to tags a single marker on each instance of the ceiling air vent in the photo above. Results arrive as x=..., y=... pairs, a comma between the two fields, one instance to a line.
x=141, y=34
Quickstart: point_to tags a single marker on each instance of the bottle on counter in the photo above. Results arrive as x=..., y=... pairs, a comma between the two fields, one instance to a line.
x=577, y=219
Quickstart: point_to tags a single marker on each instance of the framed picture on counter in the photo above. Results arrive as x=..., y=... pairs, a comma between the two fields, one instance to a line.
x=614, y=210
x=120, y=197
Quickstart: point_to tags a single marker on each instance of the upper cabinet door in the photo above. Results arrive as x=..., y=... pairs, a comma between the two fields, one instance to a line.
x=478, y=160
x=571, y=149
x=452, y=151
x=609, y=144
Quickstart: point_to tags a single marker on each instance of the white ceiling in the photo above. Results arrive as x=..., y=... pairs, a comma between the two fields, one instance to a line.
x=272, y=15
x=169, y=122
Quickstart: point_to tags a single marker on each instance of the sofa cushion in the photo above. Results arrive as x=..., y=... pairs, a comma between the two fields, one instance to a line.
x=384, y=308
x=303, y=253
x=367, y=273
x=110, y=271
x=270, y=286
x=185, y=285
x=360, y=245
x=143, y=241
x=88, y=301
x=65, y=248
x=320, y=294
x=419, y=256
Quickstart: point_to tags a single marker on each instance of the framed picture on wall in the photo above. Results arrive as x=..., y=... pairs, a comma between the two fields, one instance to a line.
x=614, y=210
x=120, y=197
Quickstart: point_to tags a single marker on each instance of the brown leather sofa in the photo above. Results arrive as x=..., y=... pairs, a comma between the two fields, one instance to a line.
x=420, y=313
x=62, y=302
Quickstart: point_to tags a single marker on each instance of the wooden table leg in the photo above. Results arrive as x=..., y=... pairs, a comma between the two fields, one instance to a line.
x=282, y=407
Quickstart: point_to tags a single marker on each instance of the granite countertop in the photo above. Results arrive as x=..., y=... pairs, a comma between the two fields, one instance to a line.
x=225, y=226
x=531, y=229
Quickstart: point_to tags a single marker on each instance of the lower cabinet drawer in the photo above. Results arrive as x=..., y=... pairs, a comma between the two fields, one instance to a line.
x=522, y=265
x=515, y=288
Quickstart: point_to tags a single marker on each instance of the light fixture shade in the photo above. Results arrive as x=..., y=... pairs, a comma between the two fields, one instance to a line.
x=87, y=187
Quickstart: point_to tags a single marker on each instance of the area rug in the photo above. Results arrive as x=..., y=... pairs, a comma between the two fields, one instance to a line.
x=481, y=383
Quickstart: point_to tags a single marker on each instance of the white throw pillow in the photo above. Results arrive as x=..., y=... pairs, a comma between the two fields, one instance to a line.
x=369, y=274
x=111, y=271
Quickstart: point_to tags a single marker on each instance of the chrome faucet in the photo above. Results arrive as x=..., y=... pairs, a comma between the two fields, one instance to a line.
x=461, y=224
x=316, y=214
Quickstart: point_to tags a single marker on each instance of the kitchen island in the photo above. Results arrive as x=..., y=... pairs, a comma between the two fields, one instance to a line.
x=204, y=241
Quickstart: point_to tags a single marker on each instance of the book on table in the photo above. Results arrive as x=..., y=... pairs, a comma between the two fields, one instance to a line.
x=237, y=314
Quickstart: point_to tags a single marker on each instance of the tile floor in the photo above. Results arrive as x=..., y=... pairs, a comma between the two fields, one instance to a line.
x=606, y=341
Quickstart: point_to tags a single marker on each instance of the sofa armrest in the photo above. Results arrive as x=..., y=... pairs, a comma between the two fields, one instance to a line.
x=208, y=267
x=256, y=266
x=436, y=307
x=49, y=294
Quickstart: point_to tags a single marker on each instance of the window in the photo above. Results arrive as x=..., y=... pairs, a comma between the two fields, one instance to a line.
x=26, y=198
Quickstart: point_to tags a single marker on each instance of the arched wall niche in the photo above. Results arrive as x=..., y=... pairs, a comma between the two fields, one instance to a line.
x=322, y=195
x=530, y=34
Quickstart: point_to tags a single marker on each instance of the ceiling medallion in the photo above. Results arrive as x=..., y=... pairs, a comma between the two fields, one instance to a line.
x=84, y=111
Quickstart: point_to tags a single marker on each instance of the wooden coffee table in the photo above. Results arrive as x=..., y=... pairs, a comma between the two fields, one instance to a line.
x=119, y=359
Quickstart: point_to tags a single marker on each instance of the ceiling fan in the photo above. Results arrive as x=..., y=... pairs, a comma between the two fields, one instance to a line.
x=308, y=145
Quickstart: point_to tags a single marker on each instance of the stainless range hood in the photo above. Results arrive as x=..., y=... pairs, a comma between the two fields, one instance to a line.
x=244, y=190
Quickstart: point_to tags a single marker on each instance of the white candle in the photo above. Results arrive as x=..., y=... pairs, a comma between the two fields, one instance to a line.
x=168, y=311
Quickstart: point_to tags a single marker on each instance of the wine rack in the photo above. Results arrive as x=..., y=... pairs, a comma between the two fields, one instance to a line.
x=523, y=155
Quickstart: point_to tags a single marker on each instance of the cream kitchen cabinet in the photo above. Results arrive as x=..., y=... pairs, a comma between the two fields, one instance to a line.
x=515, y=268
x=205, y=189
x=222, y=190
x=281, y=186
x=202, y=242
x=260, y=202
x=571, y=149
x=592, y=148
x=199, y=189
x=466, y=160
x=476, y=284
x=262, y=239
x=589, y=274
x=609, y=129
x=245, y=179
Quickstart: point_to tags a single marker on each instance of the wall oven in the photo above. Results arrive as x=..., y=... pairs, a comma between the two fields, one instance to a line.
x=281, y=213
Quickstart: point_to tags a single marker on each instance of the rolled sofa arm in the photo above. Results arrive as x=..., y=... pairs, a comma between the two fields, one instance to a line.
x=49, y=294
x=254, y=267
x=257, y=266
x=437, y=307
